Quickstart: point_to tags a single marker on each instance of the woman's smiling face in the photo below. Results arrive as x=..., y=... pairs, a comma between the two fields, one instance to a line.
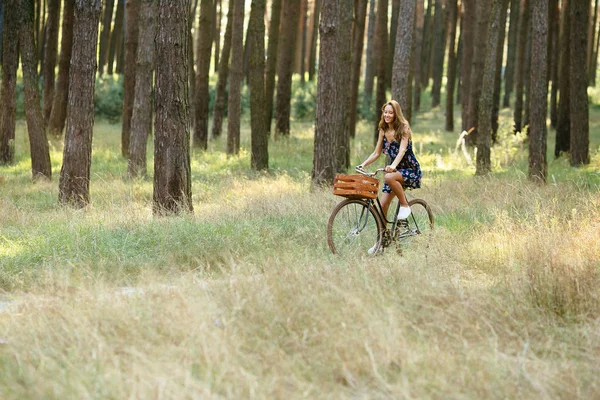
x=388, y=114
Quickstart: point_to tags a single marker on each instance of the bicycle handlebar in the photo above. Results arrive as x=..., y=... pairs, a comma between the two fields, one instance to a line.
x=371, y=174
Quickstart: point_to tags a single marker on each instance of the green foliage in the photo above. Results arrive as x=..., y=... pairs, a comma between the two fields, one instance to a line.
x=108, y=97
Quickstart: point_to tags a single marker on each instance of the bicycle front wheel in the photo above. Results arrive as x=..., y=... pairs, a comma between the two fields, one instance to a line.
x=421, y=219
x=354, y=229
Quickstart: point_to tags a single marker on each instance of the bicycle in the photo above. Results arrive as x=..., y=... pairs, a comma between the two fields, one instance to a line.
x=358, y=226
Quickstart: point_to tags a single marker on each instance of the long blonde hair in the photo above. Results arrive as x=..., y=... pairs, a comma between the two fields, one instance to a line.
x=400, y=125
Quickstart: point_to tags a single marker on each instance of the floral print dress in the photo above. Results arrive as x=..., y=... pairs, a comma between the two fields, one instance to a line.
x=409, y=166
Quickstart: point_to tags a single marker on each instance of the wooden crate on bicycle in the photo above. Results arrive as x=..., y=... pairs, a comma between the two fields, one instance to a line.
x=355, y=186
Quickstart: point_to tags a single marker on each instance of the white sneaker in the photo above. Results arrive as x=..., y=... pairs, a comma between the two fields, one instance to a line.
x=372, y=250
x=404, y=212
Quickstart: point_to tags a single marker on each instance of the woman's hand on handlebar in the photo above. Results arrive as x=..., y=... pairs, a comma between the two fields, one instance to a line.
x=389, y=168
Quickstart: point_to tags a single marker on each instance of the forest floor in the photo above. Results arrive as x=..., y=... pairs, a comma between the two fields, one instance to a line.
x=244, y=299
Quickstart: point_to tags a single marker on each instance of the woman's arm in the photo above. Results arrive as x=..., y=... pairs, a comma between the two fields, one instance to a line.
x=376, y=153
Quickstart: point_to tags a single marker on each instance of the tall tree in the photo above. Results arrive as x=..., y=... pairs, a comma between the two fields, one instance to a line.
x=358, y=35
x=74, y=184
x=50, y=55
x=428, y=29
x=511, y=51
x=285, y=58
x=438, y=54
x=272, y=59
x=10, y=63
x=451, y=81
x=205, y=39
x=38, y=143
x=392, y=42
x=381, y=40
x=301, y=42
x=58, y=115
x=370, y=59
x=259, y=158
x=467, y=36
x=580, y=129
x=105, y=34
x=538, y=166
x=141, y=118
x=553, y=55
x=116, y=39
x=401, y=90
x=219, y=107
x=132, y=10
x=327, y=121
x=312, y=59
x=234, y=103
x=344, y=50
x=419, y=21
x=498, y=69
x=563, y=121
x=217, y=12
x=521, y=64
x=172, y=171
x=483, y=164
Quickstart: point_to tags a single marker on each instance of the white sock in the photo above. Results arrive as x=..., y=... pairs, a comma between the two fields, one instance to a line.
x=404, y=212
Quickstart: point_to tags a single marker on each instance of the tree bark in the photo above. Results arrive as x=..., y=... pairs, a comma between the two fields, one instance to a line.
x=205, y=39
x=344, y=53
x=327, y=121
x=234, y=102
x=498, y=70
x=105, y=34
x=272, y=60
x=312, y=59
x=132, y=10
x=468, y=36
x=563, y=121
x=285, y=58
x=511, y=52
x=451, y=81
x=172, y=171
x=401, y=90
x=370, y=53
x=538, y=167
x=554, y=27
x=380, y=55
x=419, y=21
x=521, y=65
x=358, y=35
x=74, y=184
x=580, y=129
x=58, y=115
x=259, y=158
x=116, y=39
x=483, y=163
x=438, y=54
x=428, y=29
x=219, y=107
x=38, y=143
x=10, y=63
x=392, y=42
x=217, y=32
x=141, y=118
x=50, y=55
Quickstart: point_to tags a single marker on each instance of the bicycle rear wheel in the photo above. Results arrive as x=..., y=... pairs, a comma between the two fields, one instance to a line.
x=354, y=228
x=421, y=219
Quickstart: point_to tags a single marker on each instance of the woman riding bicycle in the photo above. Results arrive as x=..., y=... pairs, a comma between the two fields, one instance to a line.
x=395, y=141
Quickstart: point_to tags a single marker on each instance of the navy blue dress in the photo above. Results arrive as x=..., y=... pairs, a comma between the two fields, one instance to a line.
x=409, y=166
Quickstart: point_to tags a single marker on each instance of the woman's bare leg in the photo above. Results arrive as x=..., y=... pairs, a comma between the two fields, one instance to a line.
x=386, y=199
x=395, y=181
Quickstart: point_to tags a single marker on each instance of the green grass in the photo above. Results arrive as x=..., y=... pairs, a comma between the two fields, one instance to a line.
x=243, y=298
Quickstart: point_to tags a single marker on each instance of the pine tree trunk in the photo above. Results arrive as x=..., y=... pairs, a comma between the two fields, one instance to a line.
x=219, y=107
x=484, y=125
x=74, y=184
x=392, y=42
x=554, y=27
x=468, y=37
x=580, y=128
x=344, y=52
x=304, y=22
x=191, y=58
x=116, y=39
x=419, y=21
x=285, y=59
x=172, y=172
x=520, y=68
x=10, y=63
x=50, y=56
x=38, y=143
x=428, y=29
x=563, y=121
x=452, y=8
x=105, y=34
x=370, y=53
x=132, y=10
x=403, y=57
x=234, y=102
x=538, y=167
x=259, y=158
x=439, y=50
x=358, y=35
x=271, y=65
x=141, y=118
x=511, y=52
x=591, y=40
x=498, y=76
x=217, y=31
x=205, y=39
x=381, y=41
x=327, y=121
x=312, y=59
x=58, y=115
